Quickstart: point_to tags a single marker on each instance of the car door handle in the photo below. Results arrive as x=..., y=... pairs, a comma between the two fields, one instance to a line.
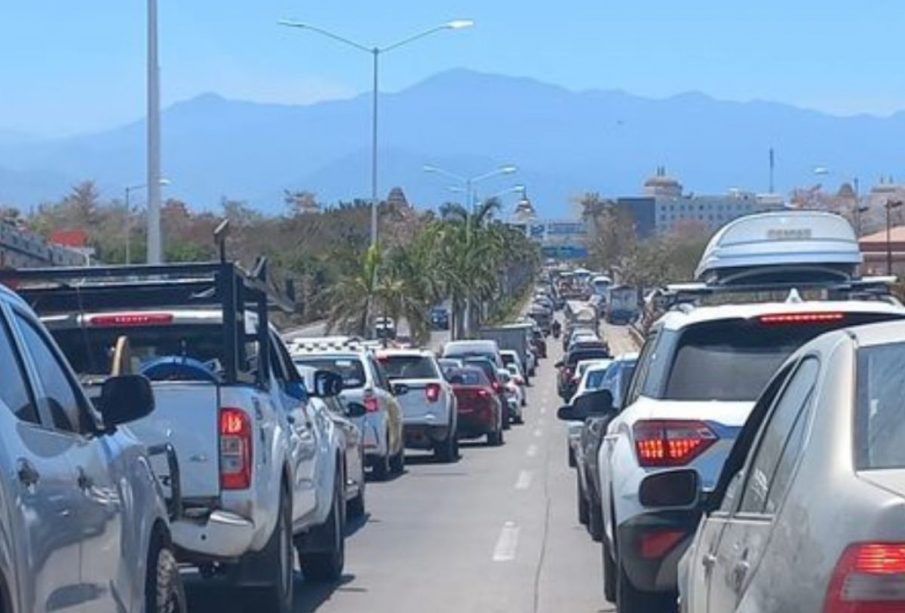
x=739, y=572
x=85, y=482
x=709, y=561
x=27, y=473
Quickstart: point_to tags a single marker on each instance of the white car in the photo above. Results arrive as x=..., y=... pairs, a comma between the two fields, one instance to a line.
x=519, y=379
x=364, y=383
x=591, y=373
x=697, y=377
x=429, y=416
x=514, y=396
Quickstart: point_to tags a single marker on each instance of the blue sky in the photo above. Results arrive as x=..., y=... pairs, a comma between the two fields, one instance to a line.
x=69, y=67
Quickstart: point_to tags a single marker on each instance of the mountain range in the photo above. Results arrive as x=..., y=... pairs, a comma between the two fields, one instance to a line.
x=564, y=143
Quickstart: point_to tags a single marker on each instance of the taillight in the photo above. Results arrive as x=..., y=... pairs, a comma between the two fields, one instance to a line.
x=483, y=393
x=235, y=449
x=432, y=391
x=497, y=387
x=661, y=442
x=800, y=318
x=126, y=320
x=371, y=404
x=869, y=578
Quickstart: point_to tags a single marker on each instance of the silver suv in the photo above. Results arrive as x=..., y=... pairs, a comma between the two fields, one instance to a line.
x=87, y=519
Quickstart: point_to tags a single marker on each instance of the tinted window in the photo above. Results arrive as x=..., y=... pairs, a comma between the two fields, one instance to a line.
x=658, y=365
x=595, y=379
x=408, y=367
x=486, y=366
x=59, y=396
x=350, y=369
x=779, y=429
x=469, y=376
x=586, y=354
x=733, y=360
x=880, y=411
x=14, y=392
x=642, y=369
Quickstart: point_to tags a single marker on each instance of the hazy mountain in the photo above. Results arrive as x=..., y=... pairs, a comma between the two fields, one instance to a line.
x=564, y=142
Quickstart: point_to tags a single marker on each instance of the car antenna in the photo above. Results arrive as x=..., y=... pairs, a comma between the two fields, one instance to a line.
x=220, y=234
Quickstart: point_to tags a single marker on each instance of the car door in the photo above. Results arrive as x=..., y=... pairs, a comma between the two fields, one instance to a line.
x=767, y=476
x=40, y=490
x=389, y=402
x=98, y=505
x=303, y=434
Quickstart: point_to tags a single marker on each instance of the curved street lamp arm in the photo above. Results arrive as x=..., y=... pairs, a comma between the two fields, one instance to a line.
x=327, y=33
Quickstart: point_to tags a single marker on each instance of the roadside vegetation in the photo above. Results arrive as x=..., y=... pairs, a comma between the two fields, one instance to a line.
x=425, y=258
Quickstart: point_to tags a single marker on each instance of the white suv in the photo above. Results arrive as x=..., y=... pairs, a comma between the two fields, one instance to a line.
x=697, y=378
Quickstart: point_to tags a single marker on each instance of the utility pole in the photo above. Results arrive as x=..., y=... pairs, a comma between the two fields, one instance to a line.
x=153, y=181
x=772, y=169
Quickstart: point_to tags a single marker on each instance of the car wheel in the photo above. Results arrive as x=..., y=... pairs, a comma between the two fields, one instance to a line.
x=609, y=572
x=328, y=565
x=164, y=592
x=355, y=508
x=495, y=438
x=277, y=555
x=381, y=465
x=582, y=504
x=397, y=462
x=507, y=417
x=632, y=600
x=445, y=450
x=595, y=521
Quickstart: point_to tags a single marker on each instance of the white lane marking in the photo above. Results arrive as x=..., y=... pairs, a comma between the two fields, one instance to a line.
x=532, y=451
x=543, y=410
x=524, y=480
x=538, y=432
x=507, y=543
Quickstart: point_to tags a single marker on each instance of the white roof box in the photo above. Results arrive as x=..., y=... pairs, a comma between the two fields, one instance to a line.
x=782, y=244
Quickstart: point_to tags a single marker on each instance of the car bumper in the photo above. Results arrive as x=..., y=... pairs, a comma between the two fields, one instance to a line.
x=474, y=425
x=651, y=564
x=220, y=536
x=373, y=435
x=421, y=435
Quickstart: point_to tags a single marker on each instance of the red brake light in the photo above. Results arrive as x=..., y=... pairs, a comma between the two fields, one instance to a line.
x=371, y=404
x=483, y=393
x=800, y=318
x=655, y=545
x=132, y=319
x=432, y=391
x=235, y=449
x=661, y=442
x=496, y=386
x=869, y=578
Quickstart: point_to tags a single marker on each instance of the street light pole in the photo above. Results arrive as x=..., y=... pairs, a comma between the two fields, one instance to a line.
x=890, y=204
x=153, y=182
x=375, y=53
x=129, y=189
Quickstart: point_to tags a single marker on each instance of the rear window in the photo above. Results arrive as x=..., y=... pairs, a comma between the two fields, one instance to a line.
x=469, y=376
x=408, y=367
x=350, y=369
x=880, y=410
x=733, y=360
x=587, y=354
x=486, y=366
x=90, y=350
x=595, y=379
x=508, y=358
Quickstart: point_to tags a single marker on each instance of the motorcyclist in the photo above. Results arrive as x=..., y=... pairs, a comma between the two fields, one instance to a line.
x=557, y=328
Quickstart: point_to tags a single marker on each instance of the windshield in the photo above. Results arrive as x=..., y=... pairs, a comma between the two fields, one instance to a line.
x=350, y=369
x=408, y=367
x=732, y=360
x=90, y=350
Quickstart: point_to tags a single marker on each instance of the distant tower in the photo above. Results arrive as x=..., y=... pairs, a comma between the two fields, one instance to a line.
x=772, y=168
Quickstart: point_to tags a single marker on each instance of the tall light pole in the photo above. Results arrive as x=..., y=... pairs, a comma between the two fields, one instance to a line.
x=128, y=224
x=153, y=179
x=468, y=183
x=890, y=205
x=375, y=53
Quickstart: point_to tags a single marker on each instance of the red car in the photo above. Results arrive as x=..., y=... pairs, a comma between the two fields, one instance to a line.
x=480, y=411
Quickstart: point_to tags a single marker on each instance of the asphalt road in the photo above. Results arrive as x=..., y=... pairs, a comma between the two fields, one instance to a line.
x=495, y=532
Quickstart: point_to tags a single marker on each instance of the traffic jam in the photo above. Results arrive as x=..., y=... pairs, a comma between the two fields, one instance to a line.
x=747, y=457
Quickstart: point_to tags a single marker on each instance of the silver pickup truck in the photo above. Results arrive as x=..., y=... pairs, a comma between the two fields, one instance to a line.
x=260, y=467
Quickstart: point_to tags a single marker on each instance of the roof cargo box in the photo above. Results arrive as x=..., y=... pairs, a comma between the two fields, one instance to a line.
x=780, y=247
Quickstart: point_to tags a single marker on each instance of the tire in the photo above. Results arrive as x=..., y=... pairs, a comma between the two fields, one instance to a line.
x=381, y=465
x=397, y=462
x=629, y=599
x=582, y=504
x=277, y=555
x=609, y=573
x=595, y=521
x=495, y=439
x=164, y=592
x=327, y=566
x=507, y=417
x=445, y=451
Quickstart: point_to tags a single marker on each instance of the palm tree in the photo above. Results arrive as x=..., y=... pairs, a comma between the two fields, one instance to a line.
x=353, y=295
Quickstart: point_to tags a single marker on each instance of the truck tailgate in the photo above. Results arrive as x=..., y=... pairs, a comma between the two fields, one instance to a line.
x=185, y=415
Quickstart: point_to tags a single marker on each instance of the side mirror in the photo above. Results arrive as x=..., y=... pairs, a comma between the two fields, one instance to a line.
x=570, y=413
x=671, y=488
x=400, y=389
x=328, y=384
x=355, y=409
x=598, y=403
x=125, y=399
x=296, y=390
x=559, y=364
